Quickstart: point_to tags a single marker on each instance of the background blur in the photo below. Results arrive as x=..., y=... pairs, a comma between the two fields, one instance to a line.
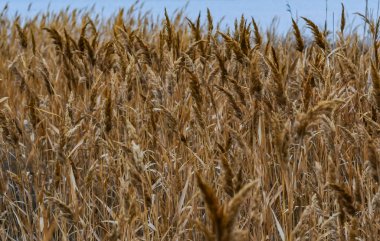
x=262, y=11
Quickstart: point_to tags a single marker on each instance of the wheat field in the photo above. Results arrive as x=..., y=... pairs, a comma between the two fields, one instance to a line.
x=133, y=128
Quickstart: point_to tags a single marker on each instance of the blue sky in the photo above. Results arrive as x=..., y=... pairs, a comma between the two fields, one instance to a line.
x=262, y=10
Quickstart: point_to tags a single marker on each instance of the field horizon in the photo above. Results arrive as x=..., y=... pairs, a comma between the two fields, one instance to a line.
x=223, y=10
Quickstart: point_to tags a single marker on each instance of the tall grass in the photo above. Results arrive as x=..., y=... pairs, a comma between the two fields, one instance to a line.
x=131, y=128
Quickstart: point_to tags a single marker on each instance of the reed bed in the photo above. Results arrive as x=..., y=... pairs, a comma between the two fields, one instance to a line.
x=136, y=128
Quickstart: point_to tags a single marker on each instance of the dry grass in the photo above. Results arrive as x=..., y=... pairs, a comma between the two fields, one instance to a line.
x=130, y=128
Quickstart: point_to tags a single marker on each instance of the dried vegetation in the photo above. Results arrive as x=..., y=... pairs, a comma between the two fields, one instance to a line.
x=131, y=128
